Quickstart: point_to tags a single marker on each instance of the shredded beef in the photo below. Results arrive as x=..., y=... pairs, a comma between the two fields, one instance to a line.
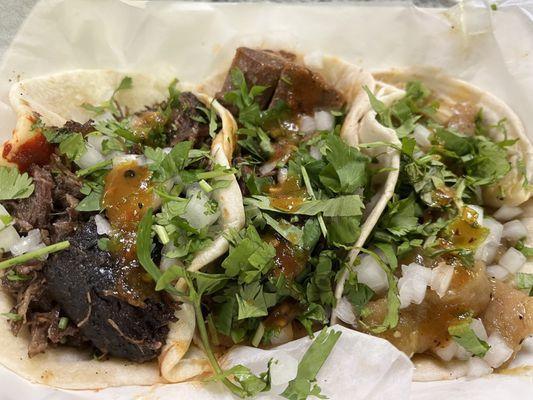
x=34, y=212
x=185, y=121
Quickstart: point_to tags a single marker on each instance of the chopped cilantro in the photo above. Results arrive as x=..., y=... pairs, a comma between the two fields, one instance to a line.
x=14, y=185
x=464, y=336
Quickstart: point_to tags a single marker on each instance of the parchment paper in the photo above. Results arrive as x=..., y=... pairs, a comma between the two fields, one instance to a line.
x=493, y=49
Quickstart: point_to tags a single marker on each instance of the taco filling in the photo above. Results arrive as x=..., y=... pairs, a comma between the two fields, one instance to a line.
x=461, y=288
x=71, y=207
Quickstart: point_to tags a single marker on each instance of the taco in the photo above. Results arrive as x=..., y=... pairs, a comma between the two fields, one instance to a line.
x=93, y=153
x=311, y=192
x=454, y=234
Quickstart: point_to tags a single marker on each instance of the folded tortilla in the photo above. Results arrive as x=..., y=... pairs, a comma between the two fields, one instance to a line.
x=448, y=92
x=57, y=99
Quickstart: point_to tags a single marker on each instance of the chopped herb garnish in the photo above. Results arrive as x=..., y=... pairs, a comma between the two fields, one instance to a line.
x=14, y=185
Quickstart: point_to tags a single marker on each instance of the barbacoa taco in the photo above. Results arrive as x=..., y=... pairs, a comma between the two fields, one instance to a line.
x=455, y=234
x=93, y=153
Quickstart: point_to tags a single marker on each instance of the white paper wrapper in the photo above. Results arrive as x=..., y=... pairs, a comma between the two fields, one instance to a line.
x=189, y=40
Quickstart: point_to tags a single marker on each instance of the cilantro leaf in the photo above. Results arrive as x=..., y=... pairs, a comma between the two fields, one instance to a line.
x=341, y=206
x=14, y=185
x=304, y=384
x=464, y=336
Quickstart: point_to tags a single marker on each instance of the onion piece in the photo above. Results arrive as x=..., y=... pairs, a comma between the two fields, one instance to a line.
x=32, y=241
x=488, y=249
x=8, y=238
x=371, y=274
x=315, y=152
x=421, y=135
x=197, y=213
x=103, y=227
x=324, y=120
x=499, y=351
x=283, y=369
x=497, y=272
x=506, y=213
x=282, y=175
x=284, y=335
x=448, y=351
x=90, y=157
x=477, y=367
x=512, y=260
x=307, y=124
x=413, y=283
x=345, y=312
x=514, y=230
x=441, y=278
x=479, y=329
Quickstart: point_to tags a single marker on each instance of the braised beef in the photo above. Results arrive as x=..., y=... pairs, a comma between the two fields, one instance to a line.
x=34, y=212
x=82, y=281
x=260, y=68
x=185, y=121
x=303, y=91
x=84, y=129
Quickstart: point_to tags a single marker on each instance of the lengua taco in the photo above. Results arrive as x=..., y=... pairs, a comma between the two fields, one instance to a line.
x=455, y=234
x=95, y=153
x=311, y=192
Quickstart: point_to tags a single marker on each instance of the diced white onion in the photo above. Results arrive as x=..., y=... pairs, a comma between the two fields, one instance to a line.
x=102, y=225
x=8, y=238
x=512, y=260
x=345, y=312
x=506, y=213
x=487, y=251
x=448, y=351
x=282, y=175
x=479, y=329
x=462, y=354
x=90, y=157
x=371, y=274
x=413, y=283
x=283, y=369
x=315, y=152
x=324, y=120
x=284, y=335
x=441, y=277
x=479, y=212
x=499, y=351
x=514, y=230
x=196, y=212
x=497, y=272
x=478, y=367
x=124, y=158
x=307, y=124
x=32, y=241
x=421, y=135
x=96, y=140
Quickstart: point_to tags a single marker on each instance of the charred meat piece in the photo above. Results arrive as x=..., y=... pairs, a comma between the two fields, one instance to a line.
x=260, y=68
x=83, y=281
x=303, y=91
x=84, y=129
x=34, y=212
x=185, y=121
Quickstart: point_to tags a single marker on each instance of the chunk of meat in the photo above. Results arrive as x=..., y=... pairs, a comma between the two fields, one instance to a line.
x=185, y=121
x=304, y=92
x=424, y=326
x=510, y=313
x=260, y=68
x=73, y=126
x=34, y=212
x=83, y=281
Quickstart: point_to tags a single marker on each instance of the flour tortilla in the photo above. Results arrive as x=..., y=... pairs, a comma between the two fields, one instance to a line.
x=57, y=98
x=449, y=91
